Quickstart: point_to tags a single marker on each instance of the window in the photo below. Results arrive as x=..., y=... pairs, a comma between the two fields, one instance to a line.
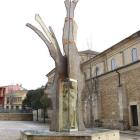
x=14, y=99
x=113, y=64
x=97, y=71
x=17, y=107
x=8, y=100
x=20, y=98
x=134, y=55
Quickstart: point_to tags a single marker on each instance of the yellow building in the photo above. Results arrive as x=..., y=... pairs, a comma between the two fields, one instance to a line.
x=13, y=100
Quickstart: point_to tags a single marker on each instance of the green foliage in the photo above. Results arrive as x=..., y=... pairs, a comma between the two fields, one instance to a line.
x=46, y=102
x=26, y=103
x=37, y=95
x=36, y=99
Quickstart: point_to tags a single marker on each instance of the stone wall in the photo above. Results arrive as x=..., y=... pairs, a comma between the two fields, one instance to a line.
x=112, y=102
x=16, y=117
x=110, y=105
x=111, y=124
x=108, y=90
x=132, y=80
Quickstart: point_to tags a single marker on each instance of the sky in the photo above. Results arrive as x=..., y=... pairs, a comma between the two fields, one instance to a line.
x=25, y=59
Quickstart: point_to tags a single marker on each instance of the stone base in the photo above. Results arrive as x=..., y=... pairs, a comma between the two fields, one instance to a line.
x=134, y=128
x=90, y=134
x=112, y=124
x=16, y=116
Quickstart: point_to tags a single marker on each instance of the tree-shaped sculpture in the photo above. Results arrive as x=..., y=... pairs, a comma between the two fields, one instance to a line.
x=67, y=66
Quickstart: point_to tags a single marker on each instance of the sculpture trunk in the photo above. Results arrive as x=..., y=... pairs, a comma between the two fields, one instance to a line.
x=74, y=60
x=55, y=90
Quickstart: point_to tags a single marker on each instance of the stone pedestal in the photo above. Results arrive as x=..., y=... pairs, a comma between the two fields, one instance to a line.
x=93, y=134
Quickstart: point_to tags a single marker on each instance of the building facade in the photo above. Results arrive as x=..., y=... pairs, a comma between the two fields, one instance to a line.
x=14, y=100
x=11, y=96
x=115, y=86
x=4, y=90
x=2, y=94
x=112, y=95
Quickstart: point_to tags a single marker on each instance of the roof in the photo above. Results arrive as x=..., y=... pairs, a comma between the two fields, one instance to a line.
x=138, y=61
x=89, y=52
x=6, y=86
x=20, y=88
x=116, y=45
x=50, y=72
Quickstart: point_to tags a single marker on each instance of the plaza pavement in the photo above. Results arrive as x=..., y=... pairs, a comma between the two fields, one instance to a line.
x=10, y=130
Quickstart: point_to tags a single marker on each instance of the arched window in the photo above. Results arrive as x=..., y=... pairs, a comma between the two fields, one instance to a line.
x=97, y=71
x=134, y=55
x=113, y=64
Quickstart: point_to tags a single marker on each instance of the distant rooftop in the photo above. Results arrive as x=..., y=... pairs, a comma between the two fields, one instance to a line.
x=89, y=52
x=20, y=87
x=6, y=86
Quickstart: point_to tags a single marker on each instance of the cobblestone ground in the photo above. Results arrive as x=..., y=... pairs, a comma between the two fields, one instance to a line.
x=10, y=130
x=129, y=137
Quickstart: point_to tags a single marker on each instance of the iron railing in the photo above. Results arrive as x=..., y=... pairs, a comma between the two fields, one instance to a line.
x=29, y=111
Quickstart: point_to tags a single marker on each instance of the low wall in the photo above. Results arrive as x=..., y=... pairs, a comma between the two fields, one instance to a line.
x=16, y=117
x=112, y=124
x=49, y=113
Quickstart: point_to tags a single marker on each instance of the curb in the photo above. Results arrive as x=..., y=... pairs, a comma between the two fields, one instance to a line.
x=130, y=133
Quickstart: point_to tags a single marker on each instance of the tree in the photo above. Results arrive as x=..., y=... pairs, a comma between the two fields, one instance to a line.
x=26, y=103
x=90, y=84
x=46, y=102
x=32, y=99
x=36, y=96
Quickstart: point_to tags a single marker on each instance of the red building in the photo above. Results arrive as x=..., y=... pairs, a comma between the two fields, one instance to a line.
x=4, y=90
x=2, y=94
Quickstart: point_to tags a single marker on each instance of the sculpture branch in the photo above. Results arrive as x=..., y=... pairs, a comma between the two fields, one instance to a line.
x=56, y=42
x=50, y=34
x=40, y=34
x=39, y=20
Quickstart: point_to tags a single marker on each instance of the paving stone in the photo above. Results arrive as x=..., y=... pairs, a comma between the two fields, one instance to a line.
x=10, y=130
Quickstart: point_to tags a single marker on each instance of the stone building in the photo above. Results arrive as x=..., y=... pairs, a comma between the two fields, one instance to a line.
x=112, y=95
